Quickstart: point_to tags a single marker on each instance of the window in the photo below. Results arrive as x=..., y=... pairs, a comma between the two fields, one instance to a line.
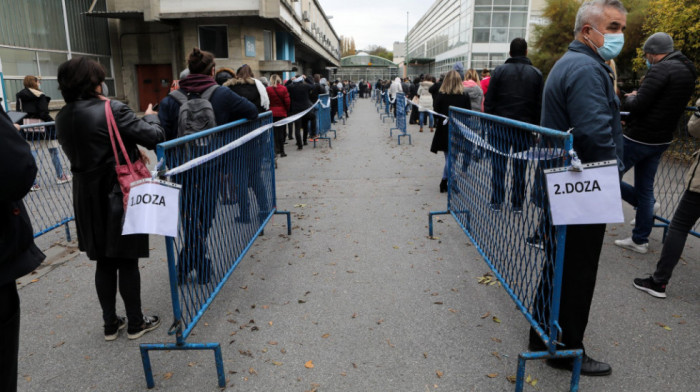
x=214, y=39
x=267, y=38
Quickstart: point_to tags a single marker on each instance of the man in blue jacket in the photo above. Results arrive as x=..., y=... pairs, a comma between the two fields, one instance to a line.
x=579, y=95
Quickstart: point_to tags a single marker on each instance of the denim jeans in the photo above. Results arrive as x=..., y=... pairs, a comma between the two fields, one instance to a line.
x=645, y=159
x=422, y=116
x=687, y=213
x=56, y=159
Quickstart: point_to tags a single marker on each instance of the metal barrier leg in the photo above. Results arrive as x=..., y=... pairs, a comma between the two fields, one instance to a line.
x=289, y=220
x=216, y=347
x=68, y=233
x=430, y=220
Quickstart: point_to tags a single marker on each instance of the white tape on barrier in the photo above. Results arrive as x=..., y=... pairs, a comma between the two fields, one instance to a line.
x=444, y=122
x=236, y=143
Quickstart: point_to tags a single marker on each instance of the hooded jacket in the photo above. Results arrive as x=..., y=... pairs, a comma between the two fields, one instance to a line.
x=228, y=106
x=395, y=88
x=660, y=100
x=476, y=96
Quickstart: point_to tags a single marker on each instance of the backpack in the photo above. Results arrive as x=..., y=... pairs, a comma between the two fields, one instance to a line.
x=196, y=113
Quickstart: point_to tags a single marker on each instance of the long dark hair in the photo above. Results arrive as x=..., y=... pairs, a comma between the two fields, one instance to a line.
x=79, y=77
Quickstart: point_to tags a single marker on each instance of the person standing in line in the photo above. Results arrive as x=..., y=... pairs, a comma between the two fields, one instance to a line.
x=194, y=213
x=279, y=104
x=394, y=89
x=18, y=253
x=451, y=94
x=473, y=89
x=300, y=98
x=425, y=102
x=35, y=103
x=485, y=80
x=413, y=92
x=515, y=92
x=246, y=86
x=684, y=219
x=579, y=96
x=654, y=113
x=82, y=131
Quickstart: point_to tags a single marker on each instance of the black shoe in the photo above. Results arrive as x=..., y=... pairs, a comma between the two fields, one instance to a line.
x=112, y=330
x=652, y=288
x=291, y=138
x=534, y=342
x=149, y=324
x=300, y=147
x=443, y=186
x=589, y=366
x=305, y=143
x=283, y=155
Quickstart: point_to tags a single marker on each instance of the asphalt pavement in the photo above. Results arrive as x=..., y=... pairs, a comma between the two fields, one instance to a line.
x=358, y=298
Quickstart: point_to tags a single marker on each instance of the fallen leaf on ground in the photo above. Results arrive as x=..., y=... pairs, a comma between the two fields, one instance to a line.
x=167, y=375
x=252, y=371
x=511, y=378
x=492, y=375
x=439, y=373
x=487, y=314
x=309, y=365
x=276, y=363
x=496, y=319
x=664, y=326
x=325, y=335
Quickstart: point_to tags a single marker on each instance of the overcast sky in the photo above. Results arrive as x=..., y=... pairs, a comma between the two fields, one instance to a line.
x=374, y=22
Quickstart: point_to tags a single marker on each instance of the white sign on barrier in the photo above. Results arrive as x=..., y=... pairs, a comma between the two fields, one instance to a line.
x=585, y=197
x=152, y=208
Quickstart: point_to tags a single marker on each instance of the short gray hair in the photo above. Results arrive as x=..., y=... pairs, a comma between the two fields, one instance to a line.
x=591, y=10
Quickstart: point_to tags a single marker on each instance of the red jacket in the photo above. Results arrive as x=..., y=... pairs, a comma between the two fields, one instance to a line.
x=279, y=100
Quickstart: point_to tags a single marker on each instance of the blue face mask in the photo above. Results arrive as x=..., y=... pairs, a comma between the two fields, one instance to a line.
x=648, y=63
x=612, y=45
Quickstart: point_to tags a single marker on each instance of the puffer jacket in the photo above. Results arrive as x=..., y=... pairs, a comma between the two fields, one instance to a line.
x=660, y=100
x=18, y=254
x=97, y=198
x=35, y=106
x=279, y=100
x=425, y=99
x=476, y=95
x=693, y=177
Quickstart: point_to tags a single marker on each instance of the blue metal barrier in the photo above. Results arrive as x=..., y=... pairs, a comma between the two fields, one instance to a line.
x=219, y=221
x=387, y=107
x=488, y=200
x=323, y=118
x=378, y=99
x=50, y=203
x=340, y=107
x=400, y=118
x=670, y=182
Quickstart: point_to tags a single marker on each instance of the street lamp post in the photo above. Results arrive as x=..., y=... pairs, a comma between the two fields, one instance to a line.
x=406, y=57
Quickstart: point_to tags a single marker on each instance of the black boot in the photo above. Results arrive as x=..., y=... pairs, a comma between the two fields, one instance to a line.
x=9, y=349
x=443, y=185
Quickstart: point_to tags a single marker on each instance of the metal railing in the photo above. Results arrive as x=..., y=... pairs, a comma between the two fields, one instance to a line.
x=50, y=202
x=226, y=200
x=400, y=119
x=489, y=200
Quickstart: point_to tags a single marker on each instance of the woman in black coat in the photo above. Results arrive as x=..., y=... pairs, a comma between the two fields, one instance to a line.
x=451, y=93
x=18, y=254
x=97, y=197
x=35, y=103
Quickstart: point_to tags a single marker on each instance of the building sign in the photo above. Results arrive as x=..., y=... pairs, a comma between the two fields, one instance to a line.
x=249, y=46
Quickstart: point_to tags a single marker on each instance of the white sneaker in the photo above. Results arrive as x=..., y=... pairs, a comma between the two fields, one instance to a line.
x=657, y=207
x=627, y=243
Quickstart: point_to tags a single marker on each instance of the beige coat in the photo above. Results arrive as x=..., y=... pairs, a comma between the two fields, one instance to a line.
x=693, y=179
x=425, y=98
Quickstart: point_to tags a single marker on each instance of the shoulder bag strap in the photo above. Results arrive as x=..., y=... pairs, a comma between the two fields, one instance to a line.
x=114, y=131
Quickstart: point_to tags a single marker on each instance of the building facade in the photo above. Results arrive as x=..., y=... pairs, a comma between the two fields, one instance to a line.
x=37, y=36
x=476, y=32
x=152, y=38
x=363, y=66
x=143, y=44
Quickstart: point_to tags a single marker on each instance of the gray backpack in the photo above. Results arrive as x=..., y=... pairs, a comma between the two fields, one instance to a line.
x=196, y=113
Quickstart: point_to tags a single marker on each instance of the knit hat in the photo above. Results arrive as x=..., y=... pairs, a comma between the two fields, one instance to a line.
x=459, y=67
x=658, y=43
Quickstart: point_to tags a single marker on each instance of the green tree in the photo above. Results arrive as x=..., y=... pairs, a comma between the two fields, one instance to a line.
x=380, y=51
x=347, y=46
x=552, y=39
x=681, y=20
